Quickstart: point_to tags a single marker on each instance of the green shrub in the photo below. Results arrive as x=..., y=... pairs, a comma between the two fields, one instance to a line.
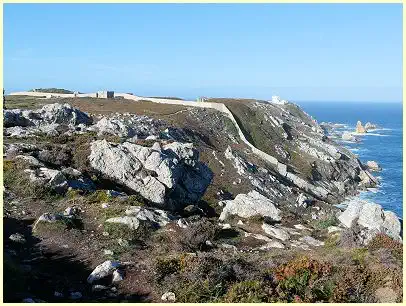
x=99, y=196
x=296, y=280
x=325, y=223
x=359, y=255
x=197, y=291
x=246, y=292
x=167, y=266
x=17, y=180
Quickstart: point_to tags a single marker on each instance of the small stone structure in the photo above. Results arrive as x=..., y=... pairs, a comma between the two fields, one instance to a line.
x=104, y=94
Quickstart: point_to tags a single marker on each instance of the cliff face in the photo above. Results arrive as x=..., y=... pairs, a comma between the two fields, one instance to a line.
x=120, y=180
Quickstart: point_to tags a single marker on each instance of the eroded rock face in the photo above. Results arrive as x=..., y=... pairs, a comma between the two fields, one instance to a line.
x=46, y=120
x=373, y=218
x=153, y=172
x=249, y=205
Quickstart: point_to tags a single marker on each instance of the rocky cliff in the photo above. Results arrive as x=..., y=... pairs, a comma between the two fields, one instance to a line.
x=109, y=182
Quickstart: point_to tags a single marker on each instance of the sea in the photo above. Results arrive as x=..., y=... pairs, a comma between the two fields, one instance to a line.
x=383, y=145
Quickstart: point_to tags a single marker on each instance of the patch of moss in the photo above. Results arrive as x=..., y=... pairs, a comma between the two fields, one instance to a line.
x=99, y=196
x=325, y=223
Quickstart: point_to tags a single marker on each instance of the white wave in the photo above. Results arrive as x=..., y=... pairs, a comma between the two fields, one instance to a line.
x=373, y=190
x=380, y=129
x=369, y=134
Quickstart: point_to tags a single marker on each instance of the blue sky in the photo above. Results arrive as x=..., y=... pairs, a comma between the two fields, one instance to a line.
x=319, y=52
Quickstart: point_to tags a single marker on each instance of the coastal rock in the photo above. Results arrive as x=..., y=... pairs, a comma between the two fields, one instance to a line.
x=249, y=205
x=370, y=126
x=153, y=172
x=359, y=128
x=367, y=179
x=373, y=218
x=348, y=137
x=373, y=165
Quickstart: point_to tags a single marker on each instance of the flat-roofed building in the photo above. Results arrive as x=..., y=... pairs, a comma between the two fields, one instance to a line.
x=105, y=94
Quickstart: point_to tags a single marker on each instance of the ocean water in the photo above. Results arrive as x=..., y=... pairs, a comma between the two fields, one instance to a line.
x=383, y=145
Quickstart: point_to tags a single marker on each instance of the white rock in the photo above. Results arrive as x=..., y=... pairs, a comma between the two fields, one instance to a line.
x=348, y=137
x=351, y=213
x=249, y=205
x=114, y=127
x=30, y=159
x=334, y=229
x=168, y=297
x=182, y=223
x=373, y=165
x=132, y=222
x=310, y=240
x=108, y=252
x=103, y=270
x=272, y=245
x=128, y=163
x=117, y=277
x=48, y=177
x=301, y=201
x=17, y=237
x=273, y=231
x=360, y=129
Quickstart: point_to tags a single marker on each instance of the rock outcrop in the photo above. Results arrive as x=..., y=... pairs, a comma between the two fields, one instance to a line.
x=158, y=174
x=370, y=126
x=359, y=128
x=373, y=165
x=372, y=218
x=249, y=205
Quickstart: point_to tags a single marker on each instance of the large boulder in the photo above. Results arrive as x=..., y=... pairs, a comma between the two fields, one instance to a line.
x=53, y=179
x=66, y=114
x=103, y=270
x=249, y=205
x=372, y=218
x=154, y=172
x=114, y=127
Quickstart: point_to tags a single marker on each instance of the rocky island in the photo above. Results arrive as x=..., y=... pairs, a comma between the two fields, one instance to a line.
x=160, y=200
